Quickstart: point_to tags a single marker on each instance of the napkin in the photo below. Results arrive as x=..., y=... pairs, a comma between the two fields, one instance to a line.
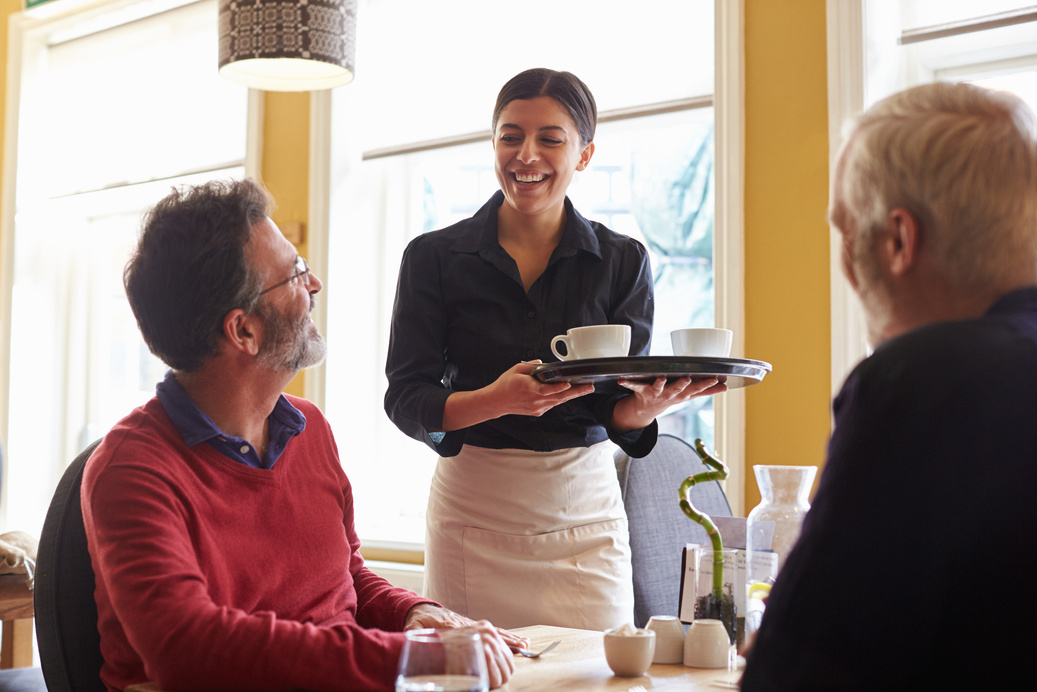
x=18, y=554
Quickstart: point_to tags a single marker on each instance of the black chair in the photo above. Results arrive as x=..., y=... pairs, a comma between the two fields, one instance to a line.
x=658, y=527
x=66, y=613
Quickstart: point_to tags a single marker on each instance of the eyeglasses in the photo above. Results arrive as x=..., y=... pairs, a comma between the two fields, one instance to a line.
x=302, y=271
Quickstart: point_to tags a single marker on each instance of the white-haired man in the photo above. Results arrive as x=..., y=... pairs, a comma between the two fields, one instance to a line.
x=914, y=565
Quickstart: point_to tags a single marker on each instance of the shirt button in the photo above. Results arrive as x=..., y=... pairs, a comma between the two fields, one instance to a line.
x=532, y=314
x=530, y=353
x=244, y=449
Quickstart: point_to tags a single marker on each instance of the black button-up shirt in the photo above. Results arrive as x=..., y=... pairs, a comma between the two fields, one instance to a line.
x=462, y=317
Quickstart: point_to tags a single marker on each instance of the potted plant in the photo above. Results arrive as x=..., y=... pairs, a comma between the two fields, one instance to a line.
x=716, y=604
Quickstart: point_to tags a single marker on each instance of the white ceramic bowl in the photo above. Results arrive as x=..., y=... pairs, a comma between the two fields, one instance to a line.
x=629, y=655
x=707, y=645
x=669, y=638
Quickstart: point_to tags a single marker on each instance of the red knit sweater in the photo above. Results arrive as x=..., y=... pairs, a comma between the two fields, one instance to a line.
x=215, y=575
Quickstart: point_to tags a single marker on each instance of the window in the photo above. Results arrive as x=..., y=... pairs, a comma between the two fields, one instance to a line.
x=994, y=45
x=411, y=153
x=78, y=363
x=907, y=43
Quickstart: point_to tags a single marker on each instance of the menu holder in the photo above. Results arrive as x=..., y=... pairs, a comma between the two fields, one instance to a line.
x=732, y=530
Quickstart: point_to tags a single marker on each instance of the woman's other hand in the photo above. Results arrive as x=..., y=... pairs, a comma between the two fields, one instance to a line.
x=651, y=400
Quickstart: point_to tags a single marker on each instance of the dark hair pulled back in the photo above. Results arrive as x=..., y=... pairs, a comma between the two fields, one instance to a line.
x=564, y=87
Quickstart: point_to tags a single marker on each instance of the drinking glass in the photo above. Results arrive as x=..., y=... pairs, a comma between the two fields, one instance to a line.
x=442, y=661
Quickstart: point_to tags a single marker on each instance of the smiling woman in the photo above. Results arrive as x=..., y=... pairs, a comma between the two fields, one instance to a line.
x=650, y=177
x=525, y=479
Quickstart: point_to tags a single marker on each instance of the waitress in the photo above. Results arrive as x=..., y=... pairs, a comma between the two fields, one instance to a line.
x=525, y=521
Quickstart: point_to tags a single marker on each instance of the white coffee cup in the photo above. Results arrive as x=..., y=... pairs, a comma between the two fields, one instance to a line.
x=707, y=645
x=703, y=343
x=669, y=638
x=596, y=341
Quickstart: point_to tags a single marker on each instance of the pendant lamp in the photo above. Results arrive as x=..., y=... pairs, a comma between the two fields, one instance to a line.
x=288, y=45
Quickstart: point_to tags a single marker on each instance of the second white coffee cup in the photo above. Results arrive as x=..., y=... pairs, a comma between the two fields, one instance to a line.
x=595, y=341
x=703, y=343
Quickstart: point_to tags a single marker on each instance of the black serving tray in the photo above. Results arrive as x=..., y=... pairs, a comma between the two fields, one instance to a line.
x=736, y=372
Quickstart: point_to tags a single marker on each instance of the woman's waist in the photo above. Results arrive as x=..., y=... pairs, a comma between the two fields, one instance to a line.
x=523, y=492
x=567, y=426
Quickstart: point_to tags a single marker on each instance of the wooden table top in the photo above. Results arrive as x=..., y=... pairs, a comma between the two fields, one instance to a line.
x=578, y=665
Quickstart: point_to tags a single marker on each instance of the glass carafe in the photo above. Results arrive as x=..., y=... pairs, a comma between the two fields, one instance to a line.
x=772, y=529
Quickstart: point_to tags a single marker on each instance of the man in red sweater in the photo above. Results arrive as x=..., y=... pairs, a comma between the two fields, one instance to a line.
x=218, y=517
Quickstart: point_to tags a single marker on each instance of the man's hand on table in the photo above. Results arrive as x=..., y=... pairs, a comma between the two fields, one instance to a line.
x=500, y=663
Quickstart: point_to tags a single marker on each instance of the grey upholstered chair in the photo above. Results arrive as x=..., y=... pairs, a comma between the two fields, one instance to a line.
x=66, y=614
x=658, y=528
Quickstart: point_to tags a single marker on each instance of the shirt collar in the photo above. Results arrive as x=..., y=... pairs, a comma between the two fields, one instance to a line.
x=195, y=426
x=578, y=233
x=1018, y=300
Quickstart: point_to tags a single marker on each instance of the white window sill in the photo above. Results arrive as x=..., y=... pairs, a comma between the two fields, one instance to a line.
x=399, y=574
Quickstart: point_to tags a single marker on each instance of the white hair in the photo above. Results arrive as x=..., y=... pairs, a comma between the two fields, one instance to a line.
x=963, y=160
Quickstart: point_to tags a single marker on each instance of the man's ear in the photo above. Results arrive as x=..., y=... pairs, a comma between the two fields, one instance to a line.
x=901, y=243
x=242, y=331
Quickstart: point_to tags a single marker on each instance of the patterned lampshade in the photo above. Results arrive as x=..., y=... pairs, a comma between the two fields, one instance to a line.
x=288, y=45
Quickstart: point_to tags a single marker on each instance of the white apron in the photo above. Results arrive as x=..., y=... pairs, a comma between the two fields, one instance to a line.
x=530, y=538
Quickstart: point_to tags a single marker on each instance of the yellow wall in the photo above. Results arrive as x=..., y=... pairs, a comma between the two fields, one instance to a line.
x=786, y=237
x=787, y=320
x=285, y=169
x=7, y=8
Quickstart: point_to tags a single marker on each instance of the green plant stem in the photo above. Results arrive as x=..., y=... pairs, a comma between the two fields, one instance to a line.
x=718, y=472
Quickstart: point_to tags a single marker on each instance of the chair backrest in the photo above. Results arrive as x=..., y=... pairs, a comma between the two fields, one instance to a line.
x=658, y=528
x=66, y=613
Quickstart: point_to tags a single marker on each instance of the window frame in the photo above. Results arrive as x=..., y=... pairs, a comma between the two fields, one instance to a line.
x=861, y=70
x=29, y=29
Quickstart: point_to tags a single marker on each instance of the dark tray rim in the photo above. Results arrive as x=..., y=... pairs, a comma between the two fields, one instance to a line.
x=737, y=372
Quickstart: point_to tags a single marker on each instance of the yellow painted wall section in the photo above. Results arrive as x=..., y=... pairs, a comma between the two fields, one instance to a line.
x=286, y=169
x=7, y=8
x=787, y=320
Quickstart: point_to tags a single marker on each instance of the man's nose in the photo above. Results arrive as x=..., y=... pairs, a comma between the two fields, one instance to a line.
x=315, y=284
